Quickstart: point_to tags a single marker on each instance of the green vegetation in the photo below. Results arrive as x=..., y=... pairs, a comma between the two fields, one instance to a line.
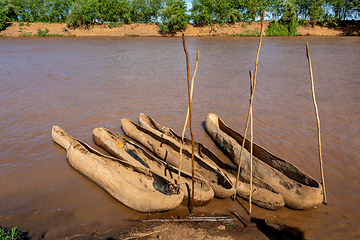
x=173, y=15
x=3, y=18
x=25, y=35
x=276, y=29
x=248, y=33
x=42, y=33
x=115, y=24
x=45, y=33
x=12, y=234
x=131, y=35
x=288, y=22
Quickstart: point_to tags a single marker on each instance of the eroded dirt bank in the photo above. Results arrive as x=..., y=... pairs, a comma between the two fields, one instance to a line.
x=151, y=30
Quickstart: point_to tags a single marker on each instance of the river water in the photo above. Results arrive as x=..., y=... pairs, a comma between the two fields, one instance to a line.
x=83, y=83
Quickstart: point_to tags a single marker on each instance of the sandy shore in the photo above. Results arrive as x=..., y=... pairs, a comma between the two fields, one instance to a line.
x=151, y=30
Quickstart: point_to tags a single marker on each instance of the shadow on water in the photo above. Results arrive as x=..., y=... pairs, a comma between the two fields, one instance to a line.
x=278, y=231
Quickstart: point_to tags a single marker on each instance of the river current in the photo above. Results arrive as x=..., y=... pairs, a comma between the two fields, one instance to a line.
x=83, y=83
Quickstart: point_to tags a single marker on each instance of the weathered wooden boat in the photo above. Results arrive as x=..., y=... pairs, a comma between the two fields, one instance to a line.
x=136, y=187
x=169, y=152
x=300, y=191
x=263, y=194
x=121, y=147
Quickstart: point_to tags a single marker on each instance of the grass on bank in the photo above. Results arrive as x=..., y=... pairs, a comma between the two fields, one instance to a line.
x=12, y=234
x=248, y=33
x=43, y=33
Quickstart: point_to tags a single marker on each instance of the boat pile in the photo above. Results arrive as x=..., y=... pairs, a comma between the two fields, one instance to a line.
x=141, y=170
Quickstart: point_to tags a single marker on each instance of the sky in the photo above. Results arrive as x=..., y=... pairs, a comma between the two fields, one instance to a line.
x=189, y=5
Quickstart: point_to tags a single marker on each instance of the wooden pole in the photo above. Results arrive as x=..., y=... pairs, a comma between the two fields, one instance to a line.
x=251, y=100
x=191, y=131
x=187, y=115
x=251, y=151
x=318, y=122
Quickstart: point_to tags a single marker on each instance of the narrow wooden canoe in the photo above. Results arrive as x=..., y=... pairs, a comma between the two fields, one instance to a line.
x=121, y=147
x=300, y=191
x=263, y=194
x=135, y=187
x=169, y=152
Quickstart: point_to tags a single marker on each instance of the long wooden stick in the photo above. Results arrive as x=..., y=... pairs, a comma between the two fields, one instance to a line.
x=318, y=122
x=191, y=130
x=251, y=152
x=187, y=116
x=251, y=100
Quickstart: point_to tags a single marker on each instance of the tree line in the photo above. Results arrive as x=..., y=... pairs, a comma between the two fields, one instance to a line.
x=173, y=14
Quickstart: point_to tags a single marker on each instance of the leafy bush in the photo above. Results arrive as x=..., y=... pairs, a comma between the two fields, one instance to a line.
x=174, y=17
x=233, y=15
x=115, y=24
x=75, y=17
x=248, y=33
x=42, y=33
x=25, y=35
x=276, y=29
x=331, y=21
x=282, y=28
x=3, y=18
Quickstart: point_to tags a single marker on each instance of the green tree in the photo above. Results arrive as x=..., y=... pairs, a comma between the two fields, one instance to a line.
x=342, y=8
x=275, y=8
x=173, y=16
x=311, y=9
x=233, y=15
x=253, y=8
x=75, y=18
x=220, y=10
x=155, y=6
x=202, y=11
x=289, y=17
x=140, y=11
x=12, y=8
x=3, y=18
x=355, y=6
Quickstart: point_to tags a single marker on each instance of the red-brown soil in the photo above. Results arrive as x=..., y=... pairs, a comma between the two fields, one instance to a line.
x=152, y=30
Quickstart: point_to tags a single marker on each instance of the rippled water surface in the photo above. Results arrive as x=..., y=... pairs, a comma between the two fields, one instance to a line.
x=83, y=83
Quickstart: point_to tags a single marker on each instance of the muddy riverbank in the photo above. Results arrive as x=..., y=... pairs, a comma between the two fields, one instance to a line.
x=151, y=30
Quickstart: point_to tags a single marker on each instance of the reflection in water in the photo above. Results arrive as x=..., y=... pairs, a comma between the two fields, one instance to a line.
x=81, y=84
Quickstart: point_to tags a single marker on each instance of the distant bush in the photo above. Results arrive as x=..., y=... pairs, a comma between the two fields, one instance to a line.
x=280, y=28
x=45, y=33
x=276, y=29
x=42, y=33
x=131, y=35
x=174, y=17
x=248, y=33
x=115, y=24
x=3, y=18
x=25, y=35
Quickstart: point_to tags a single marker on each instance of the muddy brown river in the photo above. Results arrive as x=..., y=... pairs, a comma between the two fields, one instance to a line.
x=83, y=83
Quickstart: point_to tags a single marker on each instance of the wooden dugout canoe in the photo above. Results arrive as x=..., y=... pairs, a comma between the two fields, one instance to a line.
x=135, y=187
x=169, y=152
x=300, y=191
x=263, y=194
x=120, y=147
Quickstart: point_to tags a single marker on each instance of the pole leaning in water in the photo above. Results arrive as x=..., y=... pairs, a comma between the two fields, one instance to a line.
x=251, y=100
x=191, y=132
x=318, y=122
